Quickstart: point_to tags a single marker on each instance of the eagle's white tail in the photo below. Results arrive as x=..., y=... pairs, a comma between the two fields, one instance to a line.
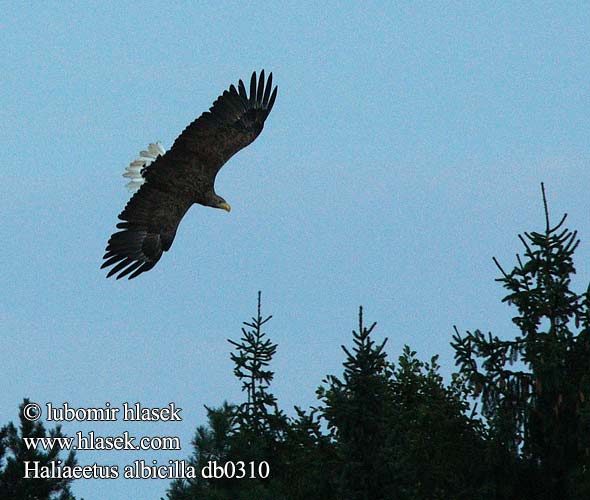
x=135, y=168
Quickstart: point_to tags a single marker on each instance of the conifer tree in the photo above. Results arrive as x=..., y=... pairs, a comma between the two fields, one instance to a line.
x=259, y=415
x=434, y=444
x=211, y=443
x=260, y=425
x=13, y=455
x=251, y=432
x=535, y=388
x=356, y=410
x=399, y=432
x=310, y=459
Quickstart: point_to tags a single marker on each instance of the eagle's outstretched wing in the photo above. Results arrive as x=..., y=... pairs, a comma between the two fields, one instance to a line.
x=151, y=218
x=232, y=123
x=174, y=181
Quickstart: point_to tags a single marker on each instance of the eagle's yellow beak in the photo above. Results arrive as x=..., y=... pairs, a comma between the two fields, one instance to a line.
x=225, y=206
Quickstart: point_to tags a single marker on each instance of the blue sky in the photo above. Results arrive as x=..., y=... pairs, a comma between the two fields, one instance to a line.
x=405, y=149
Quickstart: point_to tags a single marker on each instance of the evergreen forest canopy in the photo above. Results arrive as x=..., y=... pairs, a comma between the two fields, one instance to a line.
x=513, y=422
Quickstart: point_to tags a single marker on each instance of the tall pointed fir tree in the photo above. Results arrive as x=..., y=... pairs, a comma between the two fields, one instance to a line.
x=357, y=409
x=260, y=424
x=399, y=432
x=259, y=416
x=251, y=432
x=535, y=388
x=298, y=453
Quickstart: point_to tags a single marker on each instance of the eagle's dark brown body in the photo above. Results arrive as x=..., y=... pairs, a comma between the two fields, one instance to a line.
x=185, y=175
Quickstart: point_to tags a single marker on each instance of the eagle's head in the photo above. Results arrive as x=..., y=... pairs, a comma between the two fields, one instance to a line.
x=224, y=205
x=212, y=199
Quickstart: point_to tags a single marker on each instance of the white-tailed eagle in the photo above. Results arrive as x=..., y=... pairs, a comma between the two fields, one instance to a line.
x=171, y=181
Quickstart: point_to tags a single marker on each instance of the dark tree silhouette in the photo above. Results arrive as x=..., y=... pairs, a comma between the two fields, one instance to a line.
x=356, y=409
x=434, y=444
x=211, y=443
x=385, y=430
x=259, y=414
x=251, y=432
x=13, y=455
x=400, y=433
x=535, y=388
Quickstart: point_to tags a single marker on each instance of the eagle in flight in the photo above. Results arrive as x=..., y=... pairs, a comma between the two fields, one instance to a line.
x=169, y=182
